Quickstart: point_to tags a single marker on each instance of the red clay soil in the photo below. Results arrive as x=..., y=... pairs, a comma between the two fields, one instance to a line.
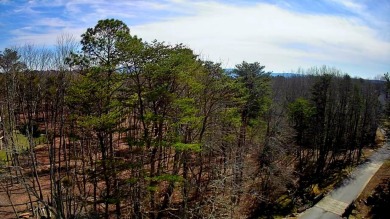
x=362, y=210
x=17, y=189
x=18, y=193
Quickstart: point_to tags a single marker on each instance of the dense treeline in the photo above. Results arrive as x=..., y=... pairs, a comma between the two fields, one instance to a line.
x=125, y=128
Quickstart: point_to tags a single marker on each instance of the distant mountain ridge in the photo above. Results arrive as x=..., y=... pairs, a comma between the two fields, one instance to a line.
x=273, y=74
x=286, y=75
x=291, y=75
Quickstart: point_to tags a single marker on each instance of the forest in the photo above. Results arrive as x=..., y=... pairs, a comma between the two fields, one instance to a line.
x=115, y=127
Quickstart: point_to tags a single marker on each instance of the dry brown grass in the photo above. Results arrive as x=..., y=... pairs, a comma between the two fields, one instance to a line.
x=380, y=137
x=362, y=210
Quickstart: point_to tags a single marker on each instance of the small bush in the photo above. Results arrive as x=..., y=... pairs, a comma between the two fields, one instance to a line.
x=380, y=200
x=27, y=128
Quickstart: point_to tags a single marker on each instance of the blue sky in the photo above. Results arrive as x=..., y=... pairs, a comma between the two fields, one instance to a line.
x=351, y=35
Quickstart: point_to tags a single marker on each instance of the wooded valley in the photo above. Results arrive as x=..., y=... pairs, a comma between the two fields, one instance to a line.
x=115, y=127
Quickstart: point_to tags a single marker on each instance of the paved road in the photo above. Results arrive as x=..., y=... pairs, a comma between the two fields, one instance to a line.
x=335, y=203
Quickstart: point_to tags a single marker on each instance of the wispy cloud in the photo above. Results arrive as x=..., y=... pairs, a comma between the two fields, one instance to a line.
x=376, y=13
x=283, y=35
x=350, y=4
x=263, y=32
x=52, y=22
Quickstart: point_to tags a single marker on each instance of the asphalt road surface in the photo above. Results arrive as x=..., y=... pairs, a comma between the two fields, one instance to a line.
x=335, y=203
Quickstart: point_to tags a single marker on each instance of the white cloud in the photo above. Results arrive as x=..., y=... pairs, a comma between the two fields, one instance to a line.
x=350, y=4
x=278, y=37
x=52, y=22
x=264, y=32
x=377, y=19
x=24, y=36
